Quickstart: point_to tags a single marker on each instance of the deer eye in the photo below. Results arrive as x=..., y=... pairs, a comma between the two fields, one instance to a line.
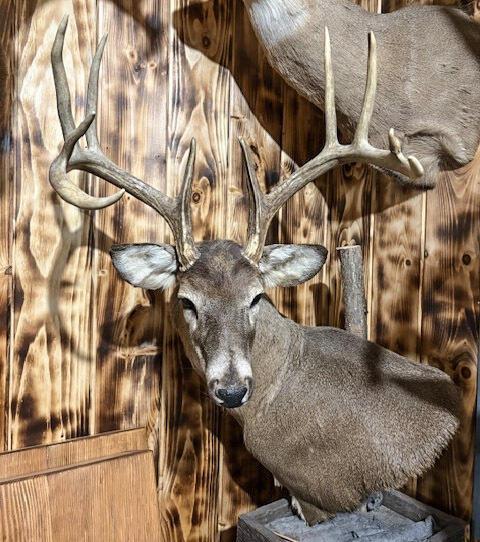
x=189, y=306
x=256, y=301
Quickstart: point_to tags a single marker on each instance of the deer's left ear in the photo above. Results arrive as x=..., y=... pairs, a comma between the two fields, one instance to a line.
x=152, y=267
x=290, y=265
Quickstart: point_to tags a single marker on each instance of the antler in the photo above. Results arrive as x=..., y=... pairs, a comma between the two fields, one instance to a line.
x=265, y=206
x=176, y=211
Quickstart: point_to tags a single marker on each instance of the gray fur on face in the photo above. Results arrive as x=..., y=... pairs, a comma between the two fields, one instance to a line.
x=215, y=305
x=225, y=287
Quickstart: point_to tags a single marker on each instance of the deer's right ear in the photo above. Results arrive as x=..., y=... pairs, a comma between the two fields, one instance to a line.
x=152, y=267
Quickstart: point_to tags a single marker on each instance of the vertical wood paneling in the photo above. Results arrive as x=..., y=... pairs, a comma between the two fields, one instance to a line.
x=429, y=248
x=397, y=264
x=133, y=119
x=198, y=107
x=305, y=217
x=91, y=353
x=7, y=122
x=256, y=113
x=50, y=379
x=451, y=311
x=351, y=218
x=397, y=267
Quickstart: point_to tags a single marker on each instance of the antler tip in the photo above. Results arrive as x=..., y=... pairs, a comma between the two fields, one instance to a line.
x=327, y=42
x=64, y=21
x=102, y=41
x=57, y=47
x=394, y=142
x=416, y=167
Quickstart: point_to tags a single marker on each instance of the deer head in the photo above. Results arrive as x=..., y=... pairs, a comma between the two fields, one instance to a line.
x=218, y=284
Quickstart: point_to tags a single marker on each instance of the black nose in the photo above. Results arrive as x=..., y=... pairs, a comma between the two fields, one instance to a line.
x=231, y=397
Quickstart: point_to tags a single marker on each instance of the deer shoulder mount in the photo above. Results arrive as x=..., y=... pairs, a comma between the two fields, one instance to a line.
x=429, y=87
x=331, y=415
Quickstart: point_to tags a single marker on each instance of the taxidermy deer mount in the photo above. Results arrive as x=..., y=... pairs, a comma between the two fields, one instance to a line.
x=429, y=85
x=332, y=415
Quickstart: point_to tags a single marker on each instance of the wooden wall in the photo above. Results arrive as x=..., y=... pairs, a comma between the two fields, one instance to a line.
x=82, y=352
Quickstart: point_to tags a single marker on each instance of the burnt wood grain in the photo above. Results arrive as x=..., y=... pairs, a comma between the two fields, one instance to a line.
x=81, y=352
x=7, y=190
x=51, y=370
x=66, y=502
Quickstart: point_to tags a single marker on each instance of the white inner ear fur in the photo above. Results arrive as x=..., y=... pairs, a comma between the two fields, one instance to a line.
x=152, y=267
x=290, y=265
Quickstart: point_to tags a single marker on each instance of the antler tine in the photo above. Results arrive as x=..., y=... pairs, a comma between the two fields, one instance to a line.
x=187, y=252
x=64, y=104
x=361, y=133
x=92, y=94
x=332, y=154
x=331, y=136
x=176, y=211
x=256, y=199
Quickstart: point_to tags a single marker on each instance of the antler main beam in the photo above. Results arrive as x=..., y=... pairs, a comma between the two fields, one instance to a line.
x=265, y=206
x=176, y=211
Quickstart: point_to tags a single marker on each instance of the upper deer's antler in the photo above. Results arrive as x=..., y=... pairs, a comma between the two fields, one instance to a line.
x=176, y=211
x=265, y=206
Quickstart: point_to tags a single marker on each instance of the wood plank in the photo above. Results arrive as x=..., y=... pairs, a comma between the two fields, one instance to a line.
x=51, y=375
x=60, y=504
x=7, y=129
x=445, y=334
x=132, y=119
x=450, y=324
x=304, y=219
x=398, y=257
x=397, y=264
x=351, y=218
x=199, y=107
x=256, y=113
x=28, y=460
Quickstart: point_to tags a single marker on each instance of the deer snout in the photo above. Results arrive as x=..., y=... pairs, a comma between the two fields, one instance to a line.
x=231, y=395
x=229, y=380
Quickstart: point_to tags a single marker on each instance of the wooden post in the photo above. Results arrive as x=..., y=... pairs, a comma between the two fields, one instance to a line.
x=353, y=290
x=351, y=260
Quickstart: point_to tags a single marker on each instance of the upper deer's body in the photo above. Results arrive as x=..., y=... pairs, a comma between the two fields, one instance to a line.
x=429, y=82
x=332, y=416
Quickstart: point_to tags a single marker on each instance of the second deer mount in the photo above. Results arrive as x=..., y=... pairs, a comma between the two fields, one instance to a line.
x=430, y=71
x=328, y=413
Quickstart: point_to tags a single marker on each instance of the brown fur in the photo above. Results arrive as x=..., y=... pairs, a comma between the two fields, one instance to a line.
x=332, y=416
x=429, y=88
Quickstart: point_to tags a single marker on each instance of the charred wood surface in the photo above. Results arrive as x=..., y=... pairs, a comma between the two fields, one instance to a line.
x=81, y=352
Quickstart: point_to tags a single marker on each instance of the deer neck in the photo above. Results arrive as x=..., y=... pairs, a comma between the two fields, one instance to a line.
x=278, y=345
